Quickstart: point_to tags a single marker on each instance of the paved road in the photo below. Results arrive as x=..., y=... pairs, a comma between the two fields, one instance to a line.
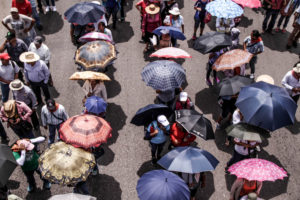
x=127, y=155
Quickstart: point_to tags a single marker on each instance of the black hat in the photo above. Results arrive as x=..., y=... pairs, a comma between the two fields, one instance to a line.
x=10, y=35
x=50, y=104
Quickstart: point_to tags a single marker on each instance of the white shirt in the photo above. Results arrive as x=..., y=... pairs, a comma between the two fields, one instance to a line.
x=290, y=82
x=99, y=90
x=236, y=117
x=43, y=52
x=241, y=149
x=108, y=32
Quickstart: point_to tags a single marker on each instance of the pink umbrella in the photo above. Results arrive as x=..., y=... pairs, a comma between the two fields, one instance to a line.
x=249, y=3
x=92, y=36
x=170, y=52
x=257, y=169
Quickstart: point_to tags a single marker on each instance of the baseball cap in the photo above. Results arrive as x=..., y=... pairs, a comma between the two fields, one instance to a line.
x=163, y=120
x=4, y=56
x=38, y=40
x=14, y=9
x=183, y=96
x=10, y=35
x=50, y=104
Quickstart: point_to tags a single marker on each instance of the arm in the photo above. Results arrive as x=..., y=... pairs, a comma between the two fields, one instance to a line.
x=285, y=83
x=46, y=72
x=4, y=81
x=103, y=91
x=48, y=55
x=37, y=140
x=65, y=114
x=44, y=117
x=31, y=25
x=7, y=27
x=26, y=109
x=2, y=47
x=259, y=186
x=144, y=24
x=237, y=183
x=182, y=26
x=21, y=160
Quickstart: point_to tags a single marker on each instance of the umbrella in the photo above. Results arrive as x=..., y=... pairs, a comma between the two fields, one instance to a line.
x=163, y=75
x=212, y=41
x=224, y=9
x=96, y=54
x=162, y=185
x=92, y=36
x=7, y=164
x=72, y=196
x=267, y=106
x=265, y=78
x=84, y=13
x=247, y=132
x=149, y=113
x=257, y=169
x=188, y=160
x=232, y=59
x=195, y=123
x=232, y=86
x=95, y=105
x=174, y=32
x=89, y=75
x=249, y=3
x=85, y=131
x=170, y=52
x=66, y=165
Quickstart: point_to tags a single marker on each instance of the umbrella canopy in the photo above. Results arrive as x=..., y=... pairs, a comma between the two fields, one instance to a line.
x=232, y=86
x=188, y=160
x=257, y=169
x=249, y=3
x=85, y=131
x=212, y=41
x=89, y=75
x=170, y=52
x=267, y=106
x=163, y=75
x=147, y=114
x=162, y=185
x=7, y=164
x=84, y=13
x=232, y=59
x=92, y=36
x=66, y=165
x=224, y=9
x=174, y=32
x=195, y=123
x=247, y=132
x=95, y=105
x=72, y=196
x=96, y=54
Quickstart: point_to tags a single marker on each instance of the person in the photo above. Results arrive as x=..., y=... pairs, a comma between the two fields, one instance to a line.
x=48, y=7
x=24, y=93
x=286, y=11
x=199, y=16
x=166, y=7
x=224, y=25
x=76, y=31
x=235, y=33
x=291, y=82
x=165, y=39
x=242, y=186
x=35, y=15
x=150, y=22
x=103, y=29
x=253, y=44
x=24, y=6
x=272, y=11
x=180, y=137
x=176, y=21
x=158, y=129
x=20, y=24
x=8, y=72
x=123, y=3
x=112, y=8
x=141, y=6
x=17, y=115
x=166, y=97
x=251, y=196
x=295, y=35
x=36, y=74
x=183, y=102
x=227, y=104
x=194, y=181
x=95, y=88
x=237, y=117
x=53, y=115
x=27, y=158
x=211, y=60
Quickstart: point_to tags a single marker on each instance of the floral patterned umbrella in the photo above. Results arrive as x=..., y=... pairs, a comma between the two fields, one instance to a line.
x=170, y=52
x=249, y=3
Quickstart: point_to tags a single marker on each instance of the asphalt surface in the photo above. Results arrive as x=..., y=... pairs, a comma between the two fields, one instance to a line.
x=127, y=155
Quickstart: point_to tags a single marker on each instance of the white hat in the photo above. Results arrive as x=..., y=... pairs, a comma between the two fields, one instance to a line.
x=174, y=11
x=28, y=57
x=96, y=2
x=163, y=120
x=297, y=68
x=16, y=85
x=167, y=20
x=183, y=96
x=165, y=31
x=152, y=9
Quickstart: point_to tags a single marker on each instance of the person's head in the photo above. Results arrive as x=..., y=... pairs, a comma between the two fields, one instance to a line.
x=38, y=40
x=4, y=57
x=252, y=196
x=183, y=96
x=94, y=82
x=51, y=105
x=255, y=34
x=152, y=9
x=29, y=57
x=296, y=69
x=9, y=108
x=11, y=38
x=175, y=12
x=249, y=182
x=16, y=85
x=162, y=121
x=14, y=13
x=89, y=27
x=101, y=26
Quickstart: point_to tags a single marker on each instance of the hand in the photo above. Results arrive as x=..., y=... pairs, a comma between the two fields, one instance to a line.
x=17, y=121
x=199, y=9
x=45, y=127
x=155, y=132
x=22, y=147
x=143, y=34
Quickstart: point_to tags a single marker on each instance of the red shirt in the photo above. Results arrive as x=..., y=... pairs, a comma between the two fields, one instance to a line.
x=149, y=24
x=177, y=134
x=179, y=105
x=24, y=8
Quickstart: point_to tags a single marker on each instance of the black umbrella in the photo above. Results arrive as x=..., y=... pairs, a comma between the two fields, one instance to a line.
x=149, y=113
x=232, y=86
x=212, y=41
x=195, y=123
x=7, y=164
x=84, y=13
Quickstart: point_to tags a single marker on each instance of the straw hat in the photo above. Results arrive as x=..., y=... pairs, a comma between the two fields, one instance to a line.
x=28, y=145
x=174, y=11
x=9, y=108
x=16, y=85
x=152, y=9
x=265, y=78
x=28, y=57
x=297, y=68
x=252, y=196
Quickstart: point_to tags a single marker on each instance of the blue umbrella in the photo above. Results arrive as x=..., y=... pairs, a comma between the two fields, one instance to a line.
x=149, y=113
x=174, y=32
x=95, y=105
x=224, y=9
x=84, y=13
x=162, y=185
x=267, y=106
x=163, y=75
x=188, y=160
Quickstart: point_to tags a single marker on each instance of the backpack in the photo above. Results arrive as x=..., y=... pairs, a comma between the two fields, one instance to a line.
x=147, y=134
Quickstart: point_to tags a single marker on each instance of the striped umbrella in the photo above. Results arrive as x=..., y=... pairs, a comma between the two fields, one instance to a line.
x=170, y=52
x=92, y=36
x=224, y=9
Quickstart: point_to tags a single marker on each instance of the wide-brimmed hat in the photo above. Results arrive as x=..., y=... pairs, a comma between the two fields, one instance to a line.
x=265, y=78
x=174, y=11
x=9, y=108
x=297, y=68
x=28, y=57
x=152, y=9
x=16, y=85
x=28, y=145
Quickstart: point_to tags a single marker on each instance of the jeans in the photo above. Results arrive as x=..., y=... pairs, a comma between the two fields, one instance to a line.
x=112, y=11
x=174, y=42
x=294, y=36
x=156, y=149
x=36, y=87
x=252, y=64
x=30, y=177
x=81, y=188
x=36, y=16
x=52, y=2
x=3, y=134
x=5, y=91
x=122, y=3
x=273, y=14
x=287, y=19
x=236, y=157
x=40, y=5
x=52, y=132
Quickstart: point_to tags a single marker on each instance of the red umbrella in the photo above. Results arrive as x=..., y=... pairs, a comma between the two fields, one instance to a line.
x=170, y=52
x=249, y=3
x=85, y=131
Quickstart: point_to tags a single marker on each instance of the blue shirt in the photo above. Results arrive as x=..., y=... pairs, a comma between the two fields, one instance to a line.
x=160, y=137
x=111, y=3
x=37, y=73
x=202, y=5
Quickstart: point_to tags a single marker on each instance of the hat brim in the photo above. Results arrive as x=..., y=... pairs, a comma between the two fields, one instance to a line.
x=182, y=98
x=26, y=60
x=296, y=69
x=174, y=13
x=152, y=12
x=165, y=124
x=16, y=89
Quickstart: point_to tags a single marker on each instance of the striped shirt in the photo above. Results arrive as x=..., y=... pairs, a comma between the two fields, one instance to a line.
x=48, y=117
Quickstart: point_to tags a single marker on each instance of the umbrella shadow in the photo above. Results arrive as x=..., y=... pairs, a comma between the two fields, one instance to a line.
x=12, y=184
x=103, y=186
x=209, y=189
x=295, y=128
x=52, y=22
x=146, y=167
x=108, y=156
x=245, y=22
x=180, y=3
x=117, y=119
x=122, y=33
x=53, y=92
x=39, y=194
x=220, y=137
x=212, y=24
x=113, y=87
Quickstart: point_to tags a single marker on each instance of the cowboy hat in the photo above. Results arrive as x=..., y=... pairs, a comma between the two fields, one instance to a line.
x=16, y=85
x=174, y=11
x=28, y=57
x=9, y=108
x=27, y=144
x=265, y=78
x=152, y=9
x=297, y=68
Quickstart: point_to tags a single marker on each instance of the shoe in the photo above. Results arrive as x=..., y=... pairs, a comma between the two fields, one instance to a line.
x=41, y=10
x=194, y=37
x=208, y=82
x=47, y=185
x=217, y=80
x=122, y=19
x=47, y=9
x=283, y=30
x=252, y=76
x=39, y=27
x=277, y=30
x=153, y=161
x=53, y=8
x=30, y=188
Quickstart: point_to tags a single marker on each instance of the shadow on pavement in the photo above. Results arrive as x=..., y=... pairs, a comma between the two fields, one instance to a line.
x=108, y=156
x=113, y=87
x=180, y=3
x=39, y=194
x=13, y=185
x=146, y=167
x=53, y=92
x=52, y=22
x=212, y=24
x=123, y=32
x=208, y=190
x=295, y=128
x=220, y=137
x=245, y=22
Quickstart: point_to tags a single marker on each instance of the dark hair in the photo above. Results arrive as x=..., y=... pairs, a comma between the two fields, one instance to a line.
x=103, y=24
x=256, y=33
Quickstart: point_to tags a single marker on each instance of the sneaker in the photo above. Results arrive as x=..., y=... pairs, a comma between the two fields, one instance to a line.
x=47, y=9
x=217, y=80
x=283, y=30
x=252, y=76
x=30, y=188
x=277, y=30
x=153, y=161
x=208, y=82
x=53, y=8
x=41, y=10
x=194, y=37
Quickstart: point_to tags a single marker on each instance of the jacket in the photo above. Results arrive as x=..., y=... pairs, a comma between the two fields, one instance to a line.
x=23, y=111
x=177, y=134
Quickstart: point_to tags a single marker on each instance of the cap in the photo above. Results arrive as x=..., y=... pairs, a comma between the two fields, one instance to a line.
x=183, y=96
x=38, y=40
x=165, y=31
x=163, y=120
x=50, y=104
x=10, y=35
x=14, y=9
x=4, y=56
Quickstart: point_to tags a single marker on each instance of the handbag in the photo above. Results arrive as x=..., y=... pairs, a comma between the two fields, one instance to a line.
x=207, y=18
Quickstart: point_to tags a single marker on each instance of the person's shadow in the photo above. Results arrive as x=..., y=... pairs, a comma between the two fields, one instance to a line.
x=245, y=22
x=146, y=167
x=108, y=156
x=295, y=128
x=39, y=194
x=113, y=87
x=12, y=185
x=52, y=22
x=122, y=33
x=209, y=189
